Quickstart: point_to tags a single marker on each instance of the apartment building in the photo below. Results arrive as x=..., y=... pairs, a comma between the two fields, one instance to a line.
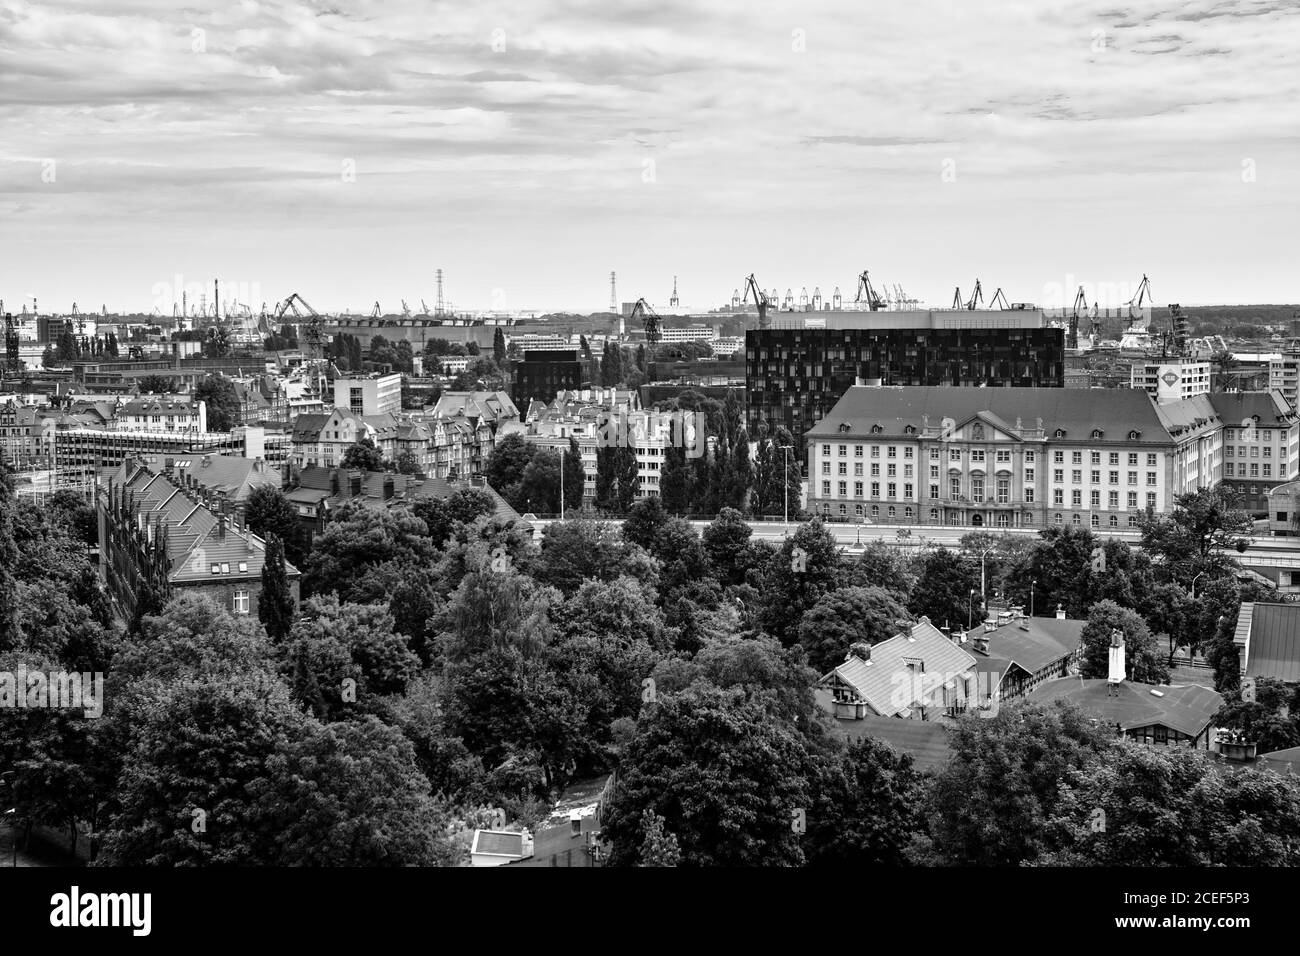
x=371, y=395
x=1009, y=457
x=1171, y=381
x=1261, y=444
x=1284, y=377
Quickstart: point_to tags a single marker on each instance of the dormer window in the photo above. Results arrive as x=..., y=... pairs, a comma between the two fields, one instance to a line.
x=1097, y=433
x=1059, y=433
x=909, y=430
x=1134, y=435
x=876, y=429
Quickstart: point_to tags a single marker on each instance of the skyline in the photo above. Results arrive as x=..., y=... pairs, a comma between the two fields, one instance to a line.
x=529, y=152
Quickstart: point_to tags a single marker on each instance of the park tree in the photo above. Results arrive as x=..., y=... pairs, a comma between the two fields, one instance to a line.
x=725, y=542
x=1144, y=662
x=504, y=469
x=804, y=568
x=578, y=549
x=845, y=617
x=444, y=516
x=738, y=818
x=1198, y=536
x=359, y=539
x=275, y=605
x=268, y=512
x=943, y=589
x=658, y=846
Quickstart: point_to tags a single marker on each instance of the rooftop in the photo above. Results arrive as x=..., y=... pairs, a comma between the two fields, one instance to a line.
x=1268, y=636
x=1187, y=709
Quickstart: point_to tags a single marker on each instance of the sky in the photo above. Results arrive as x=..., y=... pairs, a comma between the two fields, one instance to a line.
x=347, y=150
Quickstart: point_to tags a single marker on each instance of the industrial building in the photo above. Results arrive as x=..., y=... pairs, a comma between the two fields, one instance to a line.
x=798, y=369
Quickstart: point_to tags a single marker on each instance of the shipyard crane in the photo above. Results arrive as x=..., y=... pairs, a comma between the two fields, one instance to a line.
x=406, y=309
x=649, y=319
x=956, y=297
x=1143, y=294
x=424, y=307
x=81, y=321
x=375, y=313
x=975, y=297
x=866, y=293
x=291, y=304
x=760, y=299
x=999, y=297
x=1072, y=337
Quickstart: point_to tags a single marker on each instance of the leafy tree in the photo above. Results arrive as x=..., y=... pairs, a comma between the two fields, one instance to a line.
x=360, y=538
x=880, y=565
x=844, y=617
x=578, y=549
x=739, y=816
x=363, y=455
x=804, y=569
x=644, y=521
x=407, y=464
x=990, y=804
x=943, y=589
x=156, y=385
x=1143, y=660
x=725, y=542
x=1197, y=536
x=865, y=808
x=496, y=607
x=575, y=476
x=1262, y=720
x=269, y=513
x=504, y=468
x=443, y=516
x=218, y=393
x=275, y=605
x=658, y=846
x=499, y=347
x=539, y=486
x=676, y=482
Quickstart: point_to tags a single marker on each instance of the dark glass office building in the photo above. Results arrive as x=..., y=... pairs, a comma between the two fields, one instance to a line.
x=543, y=374
x=797, y=370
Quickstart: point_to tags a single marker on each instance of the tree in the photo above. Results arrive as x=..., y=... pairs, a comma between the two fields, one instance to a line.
x=268, y=512
x=539, y=486
x=616, y=478
x=676, y=482
x=842, y=618
x=725, y=542
x=156, y=385
x=363, y=455
x=407, y=464
x=504, y=469
x=275, y=605
x=499, y=347
x=740, y=817
x=218, y=394
x=943, y=589
x=658, y=846
x=443, y=517
x=1144, y=662
x=1197, y=536
x=644, y=521
x=990, y=804
x=578, y=549
x=804, y=569
x=359, y=539
x=866, y=807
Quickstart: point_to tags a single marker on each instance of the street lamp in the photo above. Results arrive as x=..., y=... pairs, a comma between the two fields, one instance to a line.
x=984, y=554
x=785, y=482
x=969, y=599
x=563, y=449
x=1198, y=574
x=1032, y=582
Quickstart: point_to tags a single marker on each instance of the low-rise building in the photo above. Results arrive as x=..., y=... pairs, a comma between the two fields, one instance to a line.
x=1261, y=444
x=1167, y=715
x=1268, y=641
x=161, y=533
x=1014, y=653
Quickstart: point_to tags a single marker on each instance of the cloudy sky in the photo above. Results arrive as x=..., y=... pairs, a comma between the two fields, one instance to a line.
x=345, y=150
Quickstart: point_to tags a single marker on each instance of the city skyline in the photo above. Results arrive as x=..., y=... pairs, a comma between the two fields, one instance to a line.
x=291, y=147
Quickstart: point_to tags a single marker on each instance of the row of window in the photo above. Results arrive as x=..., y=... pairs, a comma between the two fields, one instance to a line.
x=1231, y=472
x=1001, y=519
x=1002, y=490
x=1076, y=477
x=1254, y=451
x=1000, y=455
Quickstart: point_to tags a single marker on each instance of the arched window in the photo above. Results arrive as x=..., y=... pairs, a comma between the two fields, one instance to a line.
x=934, y=515
x=1114, y=521
x=1076, y=519
x=875, y=511
x=893, y=512
x=844, y=510
x=1058, y=519
x=1096, y=521
x=858, y=510
x=1059, y=433
x=907, y=513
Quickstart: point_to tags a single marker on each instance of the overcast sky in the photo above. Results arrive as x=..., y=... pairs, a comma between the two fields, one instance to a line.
x=345, y=150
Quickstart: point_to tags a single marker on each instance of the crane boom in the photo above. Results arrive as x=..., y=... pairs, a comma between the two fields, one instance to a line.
x=760, y=299
x=649, y=319
x=874, y=302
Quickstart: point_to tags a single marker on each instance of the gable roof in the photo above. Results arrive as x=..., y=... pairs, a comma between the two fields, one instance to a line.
x=1187, y=708
x=877, y=681
x=1235, y=407
x=927, y=742
x=1032, y=642
x=233, y=475
x=1268, y=636
x=1075, y=411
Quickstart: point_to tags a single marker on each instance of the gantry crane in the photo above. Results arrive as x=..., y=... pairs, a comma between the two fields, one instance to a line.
x=999, y=297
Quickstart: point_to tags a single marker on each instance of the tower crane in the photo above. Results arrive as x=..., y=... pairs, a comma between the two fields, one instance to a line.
x=760, y=299
x=866, y=293
x=1143, y=294
x=424, y=307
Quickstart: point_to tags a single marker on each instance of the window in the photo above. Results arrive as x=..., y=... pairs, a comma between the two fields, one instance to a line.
x=857, y=489
x=1058, y=496
x=1151, y=499
x=1029, y=474
x=954, y=454
x=1112, y=499
x=1132, y=499
x=1076, y=458
x=875, y=489
x=1058, y=475
x=216, y=569
x=1076, y=476
x=1096, y=520
x=1254, y=470
x=241, y=601
x=907, y=513
x=1029, y=494
x=1094, y=477
x=1058, y=457
x=1228, y=434
x=1132, y=459
x=225, y=567
x=1004, y=455
x=907, y=491
x=1094, y=499
x=842, y=468
x=1076, y=499
x=934, y=471
x=893, y=451
x=243, y=566
x=1074, y=519
x=1151, y=461
x=934, y=454
x=857, y=510
x=907, y=471
x=844, y=510
x=1004, y=491
x=954, y=488
x=1029, y=457
x=1114, y=478
x=1268, y=452
x=857, y=451
x=857, y=469
x=875, y=511
x=1227, y=469
x=934, y=514
x=843, y=488
x=892, y=488
x=1132, y=477
x=843, y=450
x=891, y=471
x=875, y=469
x=977, y=455
x=976, y=488
x=826, y=488
x=934, y=489
x=1151, y=477
x=1058, y=519
x=893, y=512
x=875, y=451
x=907, y=452
x=826, y=468
x=1094, y=458
x=826, y=449
x=1113, y=459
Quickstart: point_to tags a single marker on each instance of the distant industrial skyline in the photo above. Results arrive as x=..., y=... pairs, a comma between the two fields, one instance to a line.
x=528, y=150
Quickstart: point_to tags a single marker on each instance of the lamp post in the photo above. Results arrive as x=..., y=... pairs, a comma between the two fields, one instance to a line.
x=983, y=554
x=1032, y=582
x=969, y=600
x=1198, y=574
x=785, y=483
x=563, y=449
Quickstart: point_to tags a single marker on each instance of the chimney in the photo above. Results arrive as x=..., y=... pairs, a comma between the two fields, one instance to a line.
x=981, y=644
x=1060, y=612
x=207, y=460
x=1115, y=659
x=859, y=649
x=221, y=527
x=990, y=625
